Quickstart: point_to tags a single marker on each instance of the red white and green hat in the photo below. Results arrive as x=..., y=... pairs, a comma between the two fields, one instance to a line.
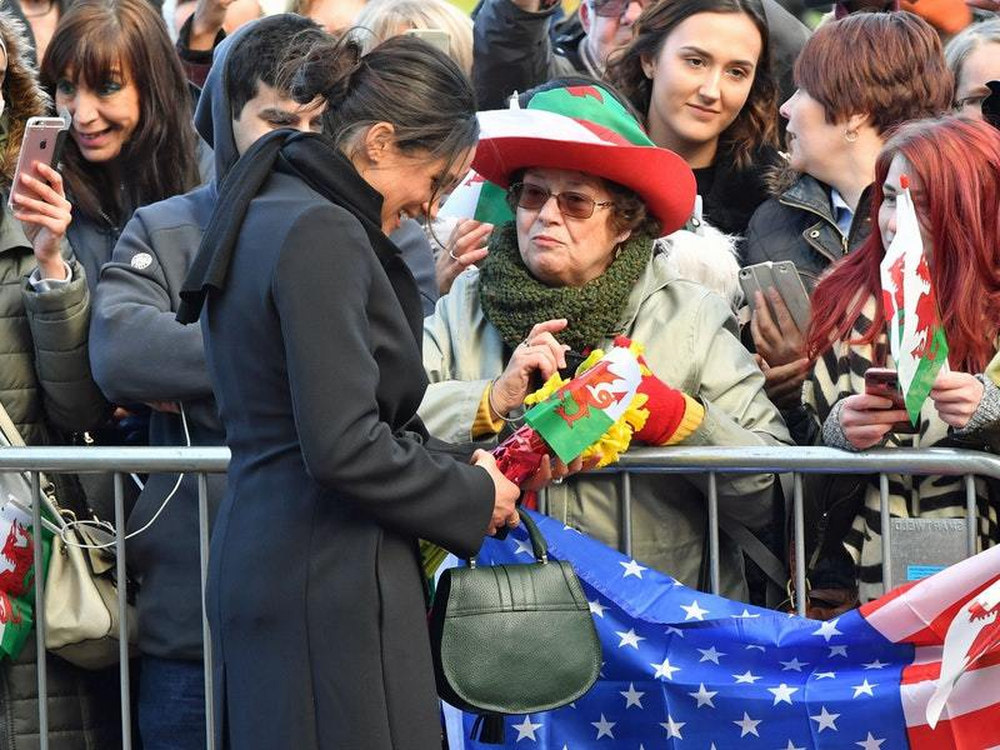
x=584, y=128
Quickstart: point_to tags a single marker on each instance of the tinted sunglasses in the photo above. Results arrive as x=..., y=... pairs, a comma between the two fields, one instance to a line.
x=614, y=8
x=572, y=204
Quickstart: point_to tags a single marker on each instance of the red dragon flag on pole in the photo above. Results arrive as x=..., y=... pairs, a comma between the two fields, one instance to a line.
x=916, y=337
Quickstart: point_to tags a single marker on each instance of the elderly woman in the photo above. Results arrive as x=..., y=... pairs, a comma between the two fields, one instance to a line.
x=576, y=267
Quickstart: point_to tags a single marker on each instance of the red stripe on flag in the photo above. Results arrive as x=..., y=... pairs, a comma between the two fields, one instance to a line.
x=976, y=730
x=932, y=670
x=935, y=631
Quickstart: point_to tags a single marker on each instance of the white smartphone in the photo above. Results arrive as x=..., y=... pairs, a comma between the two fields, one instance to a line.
x=784, y=277
x=435, y=37
x=43, y=140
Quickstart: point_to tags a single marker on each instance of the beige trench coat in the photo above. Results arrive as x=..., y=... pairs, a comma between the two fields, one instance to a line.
x=691, y=342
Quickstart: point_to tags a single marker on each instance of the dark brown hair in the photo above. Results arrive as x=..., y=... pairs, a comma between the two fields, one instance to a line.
x=94, y=39
x=756, y=125
x=888, y=65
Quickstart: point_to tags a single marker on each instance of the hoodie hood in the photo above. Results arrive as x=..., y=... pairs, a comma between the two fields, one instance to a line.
x=213, y=118
x=23, y=96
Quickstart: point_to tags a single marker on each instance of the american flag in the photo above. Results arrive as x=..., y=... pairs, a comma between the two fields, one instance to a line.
x=685, y=669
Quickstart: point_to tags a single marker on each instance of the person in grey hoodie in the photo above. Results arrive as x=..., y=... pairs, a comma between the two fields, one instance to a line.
x=141, y=354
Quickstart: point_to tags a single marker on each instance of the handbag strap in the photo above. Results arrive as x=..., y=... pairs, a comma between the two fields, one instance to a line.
x=9, y=429
x=538, y=545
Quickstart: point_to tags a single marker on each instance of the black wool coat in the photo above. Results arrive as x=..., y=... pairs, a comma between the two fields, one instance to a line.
x=315, y=595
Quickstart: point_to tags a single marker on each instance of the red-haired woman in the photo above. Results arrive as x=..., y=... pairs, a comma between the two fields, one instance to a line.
x=960, y=230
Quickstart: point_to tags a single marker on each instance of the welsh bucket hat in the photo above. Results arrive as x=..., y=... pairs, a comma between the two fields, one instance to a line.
x=584, y=128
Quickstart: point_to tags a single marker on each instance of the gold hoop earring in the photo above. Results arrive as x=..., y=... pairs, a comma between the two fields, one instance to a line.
x=850, y=136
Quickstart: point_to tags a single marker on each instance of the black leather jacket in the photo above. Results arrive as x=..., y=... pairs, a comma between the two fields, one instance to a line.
x=799, y=225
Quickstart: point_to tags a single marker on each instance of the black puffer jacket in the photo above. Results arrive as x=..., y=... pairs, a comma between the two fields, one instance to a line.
x=798, y=224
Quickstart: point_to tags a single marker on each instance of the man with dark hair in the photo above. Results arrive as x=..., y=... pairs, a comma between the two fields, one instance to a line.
x=512, y=50
x=141, y=354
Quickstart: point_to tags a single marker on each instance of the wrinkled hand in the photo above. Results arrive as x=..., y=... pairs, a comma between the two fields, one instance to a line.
x=465, y=246
x=505, y=494
x=540, y=351
x=41, y=207
x=783, y=383
x=866, y=419
x=956, y=396
x=778, y=339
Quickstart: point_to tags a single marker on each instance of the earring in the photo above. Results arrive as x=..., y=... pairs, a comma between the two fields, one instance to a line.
x=850, y=136
x=618, y=250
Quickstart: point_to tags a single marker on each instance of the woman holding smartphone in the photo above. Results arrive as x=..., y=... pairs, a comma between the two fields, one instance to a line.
x=112, y=68
x=312, y=330
x=960, y=233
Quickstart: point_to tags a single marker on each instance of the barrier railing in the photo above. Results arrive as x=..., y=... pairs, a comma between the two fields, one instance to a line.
x=676, y=460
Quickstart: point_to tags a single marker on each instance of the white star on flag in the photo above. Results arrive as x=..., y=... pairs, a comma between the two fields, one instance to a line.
x=673, y=727
x=664, y=670
x=704, y=697
x=838, y=651
x=748, y=725
x=632, y=568
x=710, y=654
x=791, y=746
x=826, y=675
x=603, y=727
x=876, y=665
x=864, y=687
x=746, y=677
x=870, y=743
x=794, y=664
x=694, y=612
x=596, y=608
x=632, y=696
x=526, y=730
x=745, y=615
x=825, y=720
x=828, y=629
x=671, y=630
x=782, y=694
x=753, y=647
x=629, y=639
x=524, y=547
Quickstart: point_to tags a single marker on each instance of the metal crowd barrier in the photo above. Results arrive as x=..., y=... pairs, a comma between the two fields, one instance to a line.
x=675, y=460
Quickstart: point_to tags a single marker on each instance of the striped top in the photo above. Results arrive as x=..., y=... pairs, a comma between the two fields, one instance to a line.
x=840, y=372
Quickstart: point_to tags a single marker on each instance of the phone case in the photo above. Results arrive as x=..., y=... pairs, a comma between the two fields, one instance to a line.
x=784, y=277
x=42, y=141
x=881, y=381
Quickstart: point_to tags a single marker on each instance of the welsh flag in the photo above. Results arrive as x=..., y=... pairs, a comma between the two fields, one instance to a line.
x=17, y=576
x=576, y=415
x=916, y=336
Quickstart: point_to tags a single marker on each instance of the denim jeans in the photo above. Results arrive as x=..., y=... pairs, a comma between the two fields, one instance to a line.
x=172, y=704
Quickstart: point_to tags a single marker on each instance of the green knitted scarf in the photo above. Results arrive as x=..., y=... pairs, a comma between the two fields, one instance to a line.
x=514, y=301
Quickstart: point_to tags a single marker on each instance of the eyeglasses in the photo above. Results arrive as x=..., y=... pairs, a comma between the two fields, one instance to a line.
x=572, y=204
x=614, y=8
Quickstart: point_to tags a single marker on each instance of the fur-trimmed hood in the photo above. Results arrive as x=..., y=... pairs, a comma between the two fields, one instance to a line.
x=23, y=95
x=781, y=177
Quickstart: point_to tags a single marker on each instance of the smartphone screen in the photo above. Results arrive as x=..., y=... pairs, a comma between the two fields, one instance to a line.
x=881, y=381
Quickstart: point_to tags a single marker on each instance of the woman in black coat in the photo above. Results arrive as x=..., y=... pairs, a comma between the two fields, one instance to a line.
x=312, y=330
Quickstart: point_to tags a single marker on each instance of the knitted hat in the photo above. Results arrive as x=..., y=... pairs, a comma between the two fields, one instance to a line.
x=584, y=128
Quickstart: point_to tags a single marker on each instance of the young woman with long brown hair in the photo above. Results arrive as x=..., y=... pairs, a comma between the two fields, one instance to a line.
x=700, y=73
x=960, y=231
x=111, y=67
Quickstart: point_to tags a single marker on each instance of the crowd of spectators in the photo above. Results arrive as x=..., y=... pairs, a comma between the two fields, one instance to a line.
x=796, y=141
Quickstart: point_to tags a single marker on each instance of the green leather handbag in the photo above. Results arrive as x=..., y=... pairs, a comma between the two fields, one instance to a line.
x=513, y=639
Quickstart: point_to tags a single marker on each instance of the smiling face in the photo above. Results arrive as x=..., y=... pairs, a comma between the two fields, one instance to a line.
x=814, y=145
x=412, y=184
x=891, y=189
x=104, y=117
x=982, y=65
x=560, y=250
x=702, y=76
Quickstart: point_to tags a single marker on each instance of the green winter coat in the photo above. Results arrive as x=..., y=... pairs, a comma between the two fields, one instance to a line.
x=691, y=342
